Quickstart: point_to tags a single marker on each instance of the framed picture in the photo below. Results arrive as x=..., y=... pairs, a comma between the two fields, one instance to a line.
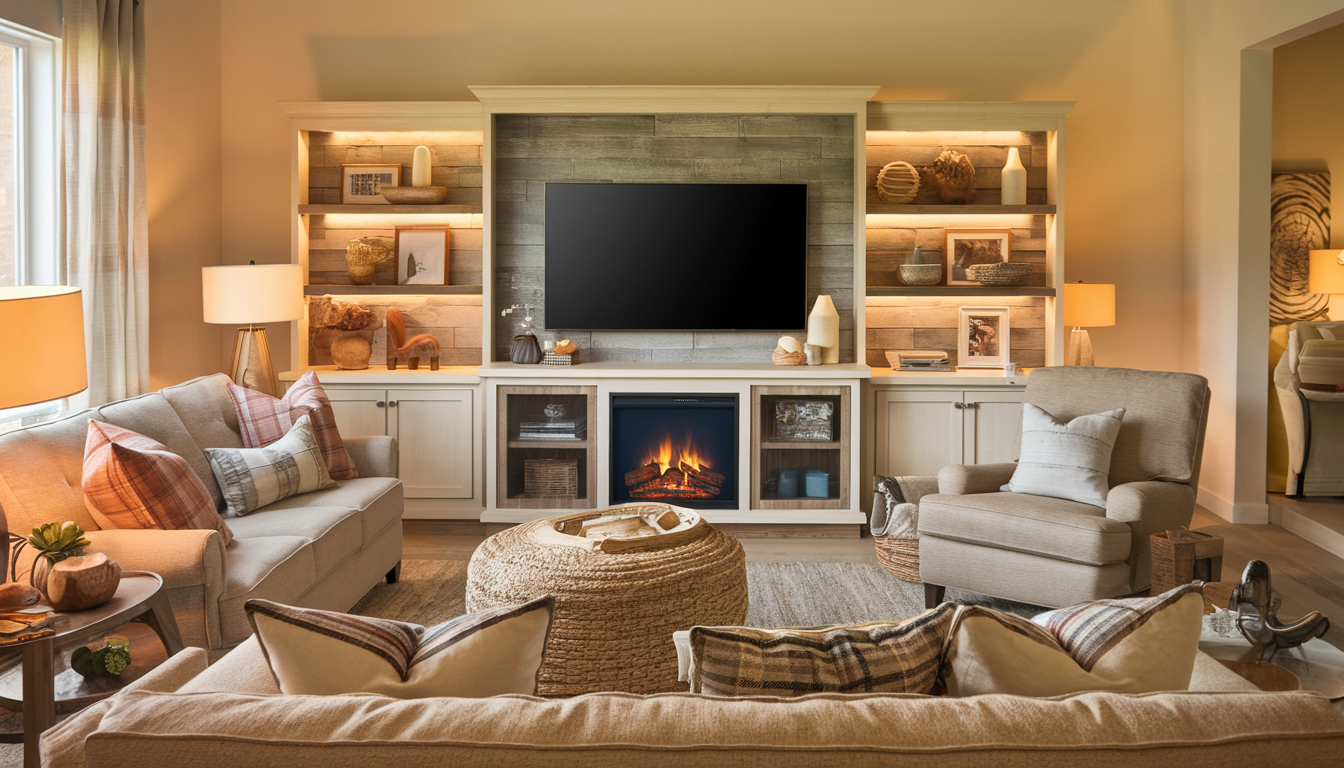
x=982, y=337
x=422, y=255
x=968, y=247
x=362, y=183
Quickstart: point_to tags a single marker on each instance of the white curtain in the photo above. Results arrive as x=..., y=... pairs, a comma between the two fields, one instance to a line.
x=105, y=246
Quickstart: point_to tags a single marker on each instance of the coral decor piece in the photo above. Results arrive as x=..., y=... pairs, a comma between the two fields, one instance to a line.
x=364, y=255
x=955, y=176
x=352, y=348
x=565, y=347
x=421, y=346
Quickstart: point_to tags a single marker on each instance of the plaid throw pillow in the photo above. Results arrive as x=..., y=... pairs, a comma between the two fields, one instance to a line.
x=265, y=419
x=1089, y=631
x=321, y=653
x=132, y=481
x=251, y=478
x=859, y=658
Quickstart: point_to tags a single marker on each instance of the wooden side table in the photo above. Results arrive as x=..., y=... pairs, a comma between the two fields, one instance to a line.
x=139, y=597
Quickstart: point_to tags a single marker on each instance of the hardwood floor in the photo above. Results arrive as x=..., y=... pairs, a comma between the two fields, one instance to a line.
x=1305, y=576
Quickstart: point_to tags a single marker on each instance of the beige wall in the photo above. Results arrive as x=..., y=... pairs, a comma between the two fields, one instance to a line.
x=183, y=184
x=1119, y=60
x=41, y=15
x=1309, y=113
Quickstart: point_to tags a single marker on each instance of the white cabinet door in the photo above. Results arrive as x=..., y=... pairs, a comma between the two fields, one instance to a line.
x=917, y=432
x=359, y=412
x=990, y=426
x=434, y=438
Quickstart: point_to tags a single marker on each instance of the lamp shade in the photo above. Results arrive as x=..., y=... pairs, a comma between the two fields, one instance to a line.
x=252, y=293
x=1089, y=305
x=43, y=344
x=1325, y=272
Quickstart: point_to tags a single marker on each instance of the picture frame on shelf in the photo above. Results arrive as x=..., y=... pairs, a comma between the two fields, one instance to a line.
x=422, y=254
x=362, y=183
x=969, y=247
x=982, y=337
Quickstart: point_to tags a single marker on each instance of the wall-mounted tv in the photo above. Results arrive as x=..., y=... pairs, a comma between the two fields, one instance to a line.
x=676, y=257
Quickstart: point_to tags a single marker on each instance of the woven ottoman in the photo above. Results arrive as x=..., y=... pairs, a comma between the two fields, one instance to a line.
x=624, y=579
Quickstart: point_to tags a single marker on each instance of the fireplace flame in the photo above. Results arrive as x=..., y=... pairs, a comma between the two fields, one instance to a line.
x=666, y=455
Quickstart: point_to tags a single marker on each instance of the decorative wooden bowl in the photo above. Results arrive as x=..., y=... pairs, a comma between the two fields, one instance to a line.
x=82, y=582
x=415, y=195
x=920, y=274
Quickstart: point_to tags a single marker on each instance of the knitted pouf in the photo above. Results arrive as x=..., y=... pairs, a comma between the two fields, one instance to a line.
x=615, y=612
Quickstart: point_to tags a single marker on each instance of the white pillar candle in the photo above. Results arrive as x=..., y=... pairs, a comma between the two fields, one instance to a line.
x=420, y=173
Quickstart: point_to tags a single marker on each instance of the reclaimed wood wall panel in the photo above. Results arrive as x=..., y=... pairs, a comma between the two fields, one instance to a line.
x=909, y=322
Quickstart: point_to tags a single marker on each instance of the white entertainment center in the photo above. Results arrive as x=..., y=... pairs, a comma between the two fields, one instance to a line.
x=459, y=444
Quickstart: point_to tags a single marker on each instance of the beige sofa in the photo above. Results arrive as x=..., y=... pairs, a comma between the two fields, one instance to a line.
x=321, y=550
x=231, y=714
x=1313, y=419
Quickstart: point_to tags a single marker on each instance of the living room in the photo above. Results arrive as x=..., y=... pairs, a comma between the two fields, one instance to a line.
x=622, y=347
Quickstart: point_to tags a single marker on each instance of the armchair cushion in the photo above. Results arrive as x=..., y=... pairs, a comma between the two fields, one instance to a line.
x=1041, y=525
x=960, y=479
x=1066, y=459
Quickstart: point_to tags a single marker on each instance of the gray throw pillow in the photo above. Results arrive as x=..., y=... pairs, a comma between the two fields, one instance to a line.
x=251, y=478
x=1067, y=461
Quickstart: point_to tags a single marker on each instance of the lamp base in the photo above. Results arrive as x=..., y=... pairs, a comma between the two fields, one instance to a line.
x=251, y=366
x=1078, y=349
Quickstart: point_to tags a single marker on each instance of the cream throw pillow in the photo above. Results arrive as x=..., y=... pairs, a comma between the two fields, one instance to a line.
x=251, y=478
x=1138, y=645
x=1067, y=461
x=322, y=653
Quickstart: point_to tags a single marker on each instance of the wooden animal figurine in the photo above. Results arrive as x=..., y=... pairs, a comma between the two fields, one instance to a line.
x=1256, y=609
x=411, y=351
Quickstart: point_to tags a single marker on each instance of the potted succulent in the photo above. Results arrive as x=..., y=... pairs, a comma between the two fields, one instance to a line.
x=53, y=542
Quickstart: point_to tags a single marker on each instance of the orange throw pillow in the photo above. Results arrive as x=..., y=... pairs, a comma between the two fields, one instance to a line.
x=264, y=419
x=135, y=482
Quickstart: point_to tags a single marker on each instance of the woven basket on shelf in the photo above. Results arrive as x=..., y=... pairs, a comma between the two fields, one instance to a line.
x=1007, y=273
x=780, y=357
x=551, y=479
x=900, y=557
x=615, y=612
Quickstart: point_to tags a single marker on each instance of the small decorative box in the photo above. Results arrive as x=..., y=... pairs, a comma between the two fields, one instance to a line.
x=816, y=483
x=551, y=358
x=788, y=484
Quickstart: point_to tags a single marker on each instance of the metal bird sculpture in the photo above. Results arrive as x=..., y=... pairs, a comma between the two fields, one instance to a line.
x=1257, y=610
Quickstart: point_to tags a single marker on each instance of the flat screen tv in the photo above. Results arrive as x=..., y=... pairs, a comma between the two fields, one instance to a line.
x=676, y=257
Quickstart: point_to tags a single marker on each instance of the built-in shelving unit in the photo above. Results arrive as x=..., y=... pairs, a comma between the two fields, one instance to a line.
x=772, y=457
x=391, y=290
x=959, y=210
x=521, y=463
x=957, y=290
x=390, y=209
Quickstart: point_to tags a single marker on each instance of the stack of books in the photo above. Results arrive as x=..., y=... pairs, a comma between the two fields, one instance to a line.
x=553, y=430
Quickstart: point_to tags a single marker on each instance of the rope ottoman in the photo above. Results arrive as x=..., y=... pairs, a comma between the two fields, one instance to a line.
x=624, y=579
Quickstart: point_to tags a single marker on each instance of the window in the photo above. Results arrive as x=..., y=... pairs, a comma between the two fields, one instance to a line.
x=29, y=174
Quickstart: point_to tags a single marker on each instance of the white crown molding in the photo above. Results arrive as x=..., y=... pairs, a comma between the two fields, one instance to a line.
x=967, y=115
x=385, y=115
x=627, y=99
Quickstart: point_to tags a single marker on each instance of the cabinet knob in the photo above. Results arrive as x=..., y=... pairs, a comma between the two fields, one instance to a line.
x=958, y=406
x=391, y=403
x=380, y=403
x=971, y=405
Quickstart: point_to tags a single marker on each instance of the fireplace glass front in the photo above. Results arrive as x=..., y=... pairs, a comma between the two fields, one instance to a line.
x=675, y=449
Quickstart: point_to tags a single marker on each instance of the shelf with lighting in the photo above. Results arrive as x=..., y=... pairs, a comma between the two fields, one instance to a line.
x=391, y=290
x=971, y=291
x=390, y=209
x=959, y=210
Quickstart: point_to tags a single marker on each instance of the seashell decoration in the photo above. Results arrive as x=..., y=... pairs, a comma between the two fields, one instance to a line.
x=897, y=182
x=788, y=352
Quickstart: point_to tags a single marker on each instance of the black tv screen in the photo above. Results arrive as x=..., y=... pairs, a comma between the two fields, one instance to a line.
x=676, y=257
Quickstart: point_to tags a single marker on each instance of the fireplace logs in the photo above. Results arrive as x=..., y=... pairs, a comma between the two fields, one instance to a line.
x=683, y=482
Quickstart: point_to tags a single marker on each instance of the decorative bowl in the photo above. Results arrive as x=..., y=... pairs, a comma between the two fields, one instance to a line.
x=1003, y=274
x=415, y=195
x=920, y=274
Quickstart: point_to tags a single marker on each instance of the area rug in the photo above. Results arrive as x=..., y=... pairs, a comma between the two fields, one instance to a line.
x=780, y=594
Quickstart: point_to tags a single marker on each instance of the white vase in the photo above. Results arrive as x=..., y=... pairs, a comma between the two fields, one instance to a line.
x=823, y=329
x=1014, y=180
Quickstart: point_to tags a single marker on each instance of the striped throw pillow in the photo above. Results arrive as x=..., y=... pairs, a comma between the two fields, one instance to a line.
x=1136, y=645
x=857, y=658
x=132, y=481
x=321, y=653
x=264, y=419
x=1067, y=461
x=251, y=478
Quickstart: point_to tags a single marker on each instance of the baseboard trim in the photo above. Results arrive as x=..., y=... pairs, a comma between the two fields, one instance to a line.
x=1254, y=514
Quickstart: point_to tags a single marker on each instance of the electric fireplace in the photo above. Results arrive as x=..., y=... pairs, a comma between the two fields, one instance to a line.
x=675, y=449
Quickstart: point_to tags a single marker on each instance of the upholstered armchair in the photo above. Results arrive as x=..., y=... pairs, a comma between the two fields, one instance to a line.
x=1307, y=380
x=1056, y=552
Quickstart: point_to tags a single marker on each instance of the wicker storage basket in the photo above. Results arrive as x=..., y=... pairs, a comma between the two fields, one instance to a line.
x=1002, y=274
x=900, y=557
x=615, y=612
x=551, y=479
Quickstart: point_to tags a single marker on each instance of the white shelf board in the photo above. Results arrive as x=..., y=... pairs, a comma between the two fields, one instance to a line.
x=674, y=371
x=378, y=374
x=988, y=377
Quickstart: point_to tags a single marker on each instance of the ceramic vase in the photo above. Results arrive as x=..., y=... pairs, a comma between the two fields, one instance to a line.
x=1014, y=180
x=351, y=350
x=823, y=329
x=525, y=350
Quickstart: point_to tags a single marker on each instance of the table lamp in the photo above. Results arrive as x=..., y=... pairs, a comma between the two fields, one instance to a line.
x=1086, y=305
x=44, y=354
x=1325, y=274
x=251, y=295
